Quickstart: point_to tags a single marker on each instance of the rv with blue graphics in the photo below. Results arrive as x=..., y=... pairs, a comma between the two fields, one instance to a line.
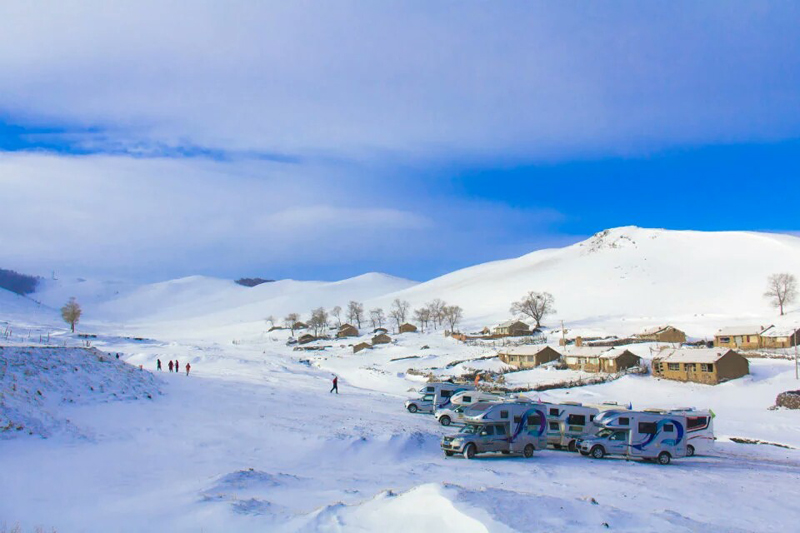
x=638, y=435
x=508, y=428
x=435, y=395
x=460, y=404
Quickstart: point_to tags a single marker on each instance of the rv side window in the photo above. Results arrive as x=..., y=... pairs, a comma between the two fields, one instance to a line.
x=591, y=417
x=431, y=389
x=647, y=427
x=669, y=428
x=467, y=399
x=554, y=411
x=576, y=420
x=500, y=429
x=503, y=414
x=554, y=426
x=624, y=421
x=446, y=393
x=517, y=419
x=697, y=422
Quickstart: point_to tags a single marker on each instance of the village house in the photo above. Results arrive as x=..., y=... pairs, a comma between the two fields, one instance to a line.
x=701, y=365
x=740, y=337
x=407, y=328
x=306, y=338
x=512, y=328
x=378, y=331
x=300, y=325
x=662, y=334
x=361, y=346
x=346, y=330
x=383, y=338
x=528, y=356
x=600, y=359
x=777, y=337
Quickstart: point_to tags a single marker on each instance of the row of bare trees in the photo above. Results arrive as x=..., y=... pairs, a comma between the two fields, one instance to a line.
x=437, y=313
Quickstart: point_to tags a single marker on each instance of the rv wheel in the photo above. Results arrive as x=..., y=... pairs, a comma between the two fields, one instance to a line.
x=469, y=451
x=690, y=451
x=663, y=458
x=572, y=447
x=412, y=408
x=527, y=452
x=598, y=452
x=445, y=420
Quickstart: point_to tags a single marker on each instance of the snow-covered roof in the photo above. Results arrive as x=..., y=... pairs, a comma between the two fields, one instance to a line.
x=603, y=352
x=693, y=355
x=653, y=330
x=509, y=323
x=742, y=330
x=785, y=331
x=528, y=349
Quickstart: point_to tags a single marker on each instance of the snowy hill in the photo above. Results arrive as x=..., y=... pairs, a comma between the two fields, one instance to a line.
x=631, y=277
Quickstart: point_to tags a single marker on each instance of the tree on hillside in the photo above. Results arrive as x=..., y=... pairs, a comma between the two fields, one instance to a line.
x=336, y=313
x=453, y=315
x=377, y=317
x=355, y=312
x=319, y=321
x=399, y=311
x=270, y=320
x=422, y=316
x=291, y=320
x=781, y=289
x=71, y=313
x=436, y=309
x=535, y=305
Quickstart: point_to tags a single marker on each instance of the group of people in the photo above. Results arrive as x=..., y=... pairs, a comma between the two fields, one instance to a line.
x=176, y=366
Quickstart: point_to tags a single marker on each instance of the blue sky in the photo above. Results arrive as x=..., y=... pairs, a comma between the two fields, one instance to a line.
x=322, y=141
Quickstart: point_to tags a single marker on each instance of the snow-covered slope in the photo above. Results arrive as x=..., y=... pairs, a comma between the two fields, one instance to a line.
x=632, y=277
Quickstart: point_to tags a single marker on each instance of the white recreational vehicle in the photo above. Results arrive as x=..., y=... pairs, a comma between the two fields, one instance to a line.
x=637, y=434
x=459, y=402
x=435, y=395
x=459, y=414
x=569, y=421
x=509, y=427
x=699, y=430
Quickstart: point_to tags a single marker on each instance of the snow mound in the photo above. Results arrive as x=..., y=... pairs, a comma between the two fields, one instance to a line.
x=37, y=382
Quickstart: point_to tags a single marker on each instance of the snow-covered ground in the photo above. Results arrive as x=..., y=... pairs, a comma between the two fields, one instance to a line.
x=252, y=440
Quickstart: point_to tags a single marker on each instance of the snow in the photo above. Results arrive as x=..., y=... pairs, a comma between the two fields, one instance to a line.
x=693, y=355
x=252, y=440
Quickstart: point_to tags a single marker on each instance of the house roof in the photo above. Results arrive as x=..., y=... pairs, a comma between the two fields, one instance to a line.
x=528, y=349
x=509, y=323
x=785, y=331
x=741, y=330
x=653, y=330
x=694, y=355
x=602, y=352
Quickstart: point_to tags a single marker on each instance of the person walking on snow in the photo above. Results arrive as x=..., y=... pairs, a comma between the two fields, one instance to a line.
x=170, y=366
x=177, y=366
x=158, y=365
x=188, y=367
x=335, y=385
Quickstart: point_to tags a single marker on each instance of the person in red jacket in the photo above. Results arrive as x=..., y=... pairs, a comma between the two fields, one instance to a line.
x=335, y=385
x=170, y=366
x=188, y=367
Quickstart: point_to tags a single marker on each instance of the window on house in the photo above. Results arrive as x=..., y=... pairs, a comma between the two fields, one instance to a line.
x=673, y=366
x=707, y=367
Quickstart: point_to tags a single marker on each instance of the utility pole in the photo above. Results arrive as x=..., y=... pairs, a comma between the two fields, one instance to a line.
x=795, y=356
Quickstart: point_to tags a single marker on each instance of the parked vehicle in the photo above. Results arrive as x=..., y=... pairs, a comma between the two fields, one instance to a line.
x=637, y=434
x=569, y=421
x=699, y=430
x=467, y=397
x=435, y=395
x=509, y=427
x=457, y=414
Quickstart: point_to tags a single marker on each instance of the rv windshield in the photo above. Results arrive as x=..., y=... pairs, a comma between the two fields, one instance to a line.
x=603, y=433
x=472, y=429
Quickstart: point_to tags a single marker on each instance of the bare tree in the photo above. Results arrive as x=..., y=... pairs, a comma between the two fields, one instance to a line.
x=71, y=313
x=421, y=317
x=453, y=315
x=270, y=320
x=535, y=305
x=319, y=321
x=336, y=313
x=399, y=311
x=291, y=321
x=781, y=289
x=377, y=317
x=436, y=308
x=355, y=312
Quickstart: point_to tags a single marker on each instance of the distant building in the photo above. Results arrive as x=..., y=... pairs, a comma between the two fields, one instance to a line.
x=740, y=337
x=701, y=365
x=305, y=339
x=383, y=338
x=662, y=334
x=528, y=356
x=377, y=331
x=300, y=325
x=776, y=337
x=407, y=328
x=600, y=359
x=347, y=330
x=361, y=346
x=512, y=328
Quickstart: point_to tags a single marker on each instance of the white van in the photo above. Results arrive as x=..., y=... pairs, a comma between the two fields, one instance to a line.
x=637, y=434
x=435, y=395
